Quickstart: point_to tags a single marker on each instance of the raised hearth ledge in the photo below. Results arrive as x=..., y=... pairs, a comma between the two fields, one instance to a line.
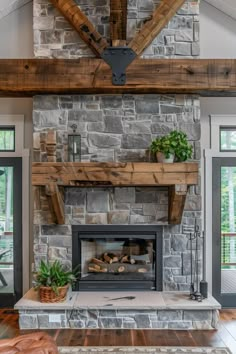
x=143, y=310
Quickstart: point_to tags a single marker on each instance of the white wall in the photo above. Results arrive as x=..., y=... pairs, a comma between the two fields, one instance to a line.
x=217, y=33
x=16, y=33
x=16, y=41
x=217, y=40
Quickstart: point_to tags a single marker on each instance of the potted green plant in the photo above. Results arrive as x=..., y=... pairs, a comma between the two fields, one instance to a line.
x=53, y=281
x=174, y=146
x=183, y=150
x=163, y=149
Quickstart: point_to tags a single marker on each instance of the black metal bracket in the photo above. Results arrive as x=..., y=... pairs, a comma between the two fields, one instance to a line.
x=118, y=58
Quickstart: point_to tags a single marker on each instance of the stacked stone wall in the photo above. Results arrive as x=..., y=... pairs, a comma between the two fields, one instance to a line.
x=116, y=128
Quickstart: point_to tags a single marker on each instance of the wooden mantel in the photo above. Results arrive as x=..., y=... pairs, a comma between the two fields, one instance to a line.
x=177, y=176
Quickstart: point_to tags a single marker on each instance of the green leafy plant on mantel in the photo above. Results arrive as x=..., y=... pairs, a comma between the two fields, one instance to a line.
x=174, y=144
x=54, y=276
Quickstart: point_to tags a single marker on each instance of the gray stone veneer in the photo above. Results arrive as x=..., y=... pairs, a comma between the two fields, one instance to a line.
x=54, y=37
x=116, y=319
x=116, y=128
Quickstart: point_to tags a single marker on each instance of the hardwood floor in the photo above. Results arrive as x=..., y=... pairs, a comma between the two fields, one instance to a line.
x=225, y=336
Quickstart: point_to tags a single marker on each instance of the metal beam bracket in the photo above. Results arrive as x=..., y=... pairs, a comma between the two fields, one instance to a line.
x=118, y=58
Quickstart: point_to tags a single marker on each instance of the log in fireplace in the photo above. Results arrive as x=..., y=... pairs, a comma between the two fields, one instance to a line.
x=118, y=257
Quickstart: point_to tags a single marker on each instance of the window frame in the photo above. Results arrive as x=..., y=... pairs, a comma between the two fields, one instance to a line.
x=17, y=122
x=7, y=129
x=217, y=122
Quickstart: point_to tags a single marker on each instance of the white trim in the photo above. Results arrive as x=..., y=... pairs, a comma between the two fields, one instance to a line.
x=217, y=121
x=26, y=269
x=18, y=122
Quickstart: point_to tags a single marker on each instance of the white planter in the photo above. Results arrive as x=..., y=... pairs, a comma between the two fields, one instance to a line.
x=161, y=158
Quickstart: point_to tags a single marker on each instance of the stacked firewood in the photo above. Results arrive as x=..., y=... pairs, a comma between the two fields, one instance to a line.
x=110, y=262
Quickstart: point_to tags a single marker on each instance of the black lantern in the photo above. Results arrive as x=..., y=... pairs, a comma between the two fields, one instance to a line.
x=74, y=145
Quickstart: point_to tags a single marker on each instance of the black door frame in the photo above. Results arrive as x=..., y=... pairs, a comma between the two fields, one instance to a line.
x=226, y=300
x=6, y=299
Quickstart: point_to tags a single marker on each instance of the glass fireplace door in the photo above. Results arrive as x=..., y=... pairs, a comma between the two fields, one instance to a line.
x=117, y=261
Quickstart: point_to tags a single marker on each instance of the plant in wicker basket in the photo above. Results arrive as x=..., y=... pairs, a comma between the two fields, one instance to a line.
x=53, y=281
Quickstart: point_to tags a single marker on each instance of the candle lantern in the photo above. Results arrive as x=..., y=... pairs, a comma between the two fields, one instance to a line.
x=74, y=145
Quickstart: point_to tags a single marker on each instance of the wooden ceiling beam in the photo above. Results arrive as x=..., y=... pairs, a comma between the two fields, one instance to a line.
x=159, y=19
x=29, y=77
x=118, y=22
x=79, y=21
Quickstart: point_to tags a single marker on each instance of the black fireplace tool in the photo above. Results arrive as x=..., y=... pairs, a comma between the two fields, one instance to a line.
x=203, y=282
x=192, y=290
x=195, y=294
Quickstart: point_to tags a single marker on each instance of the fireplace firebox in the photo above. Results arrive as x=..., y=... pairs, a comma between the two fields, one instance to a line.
x=117, y=257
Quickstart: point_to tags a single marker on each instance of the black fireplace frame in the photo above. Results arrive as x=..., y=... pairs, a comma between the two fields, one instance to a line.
x=118, y=231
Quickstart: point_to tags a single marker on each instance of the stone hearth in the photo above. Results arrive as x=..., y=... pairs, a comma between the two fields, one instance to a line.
x=143, y=310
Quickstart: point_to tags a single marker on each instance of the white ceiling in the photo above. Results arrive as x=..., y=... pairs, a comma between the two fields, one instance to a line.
x=226, y=6
x=6, y=6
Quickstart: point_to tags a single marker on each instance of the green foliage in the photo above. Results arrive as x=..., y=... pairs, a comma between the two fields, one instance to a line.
x=183, y=149
x=164, y=145
x=175, y=143
x=54, y=276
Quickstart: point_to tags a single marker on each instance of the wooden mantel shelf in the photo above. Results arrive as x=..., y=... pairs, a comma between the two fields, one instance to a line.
x=177, y=176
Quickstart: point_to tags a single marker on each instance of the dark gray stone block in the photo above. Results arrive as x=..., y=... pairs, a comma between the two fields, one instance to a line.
x=169, y=315
x=110, y=322
x=104, y=140
x=111, y=102
x=113, y=125
x=179, y=242
x=150, y=106
x=195, y=315
x=172, y=261
x=97, y=201
x=75, y=196
x=135, y=141
x=142, y=321
x=124, y=195
x=55, y=230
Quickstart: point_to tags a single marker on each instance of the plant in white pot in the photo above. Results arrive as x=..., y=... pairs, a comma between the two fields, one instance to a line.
x=174, y=146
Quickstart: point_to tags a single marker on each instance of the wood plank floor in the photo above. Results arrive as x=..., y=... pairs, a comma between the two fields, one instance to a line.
x=225, y=336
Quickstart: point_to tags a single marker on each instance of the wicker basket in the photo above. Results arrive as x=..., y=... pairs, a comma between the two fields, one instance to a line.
x=48, y=295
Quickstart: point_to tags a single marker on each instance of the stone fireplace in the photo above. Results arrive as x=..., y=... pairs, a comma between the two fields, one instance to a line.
x=115, y=128
x=104, y=226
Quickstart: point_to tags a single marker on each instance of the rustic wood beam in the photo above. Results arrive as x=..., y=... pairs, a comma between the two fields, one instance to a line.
x=177, y=176
x=79, y=21
x=205, y=77
x=177, y=197
x=85, y=174
x=118, y=22
x=159, y=19
x=56, y=202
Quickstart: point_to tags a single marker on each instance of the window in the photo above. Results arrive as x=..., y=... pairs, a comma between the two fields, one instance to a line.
x=7, y=138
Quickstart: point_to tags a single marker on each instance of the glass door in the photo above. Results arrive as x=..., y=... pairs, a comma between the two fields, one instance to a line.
x=10, y=230
x=224, y=230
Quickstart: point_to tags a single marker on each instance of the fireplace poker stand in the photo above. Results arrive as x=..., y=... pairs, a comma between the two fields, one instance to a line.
x=195, y=293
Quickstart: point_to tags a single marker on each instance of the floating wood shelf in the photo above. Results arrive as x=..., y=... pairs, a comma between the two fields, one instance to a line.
x=177, y=176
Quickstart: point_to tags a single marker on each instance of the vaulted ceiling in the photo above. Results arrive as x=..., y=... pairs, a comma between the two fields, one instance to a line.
x=7, y=7
x=226, y=6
